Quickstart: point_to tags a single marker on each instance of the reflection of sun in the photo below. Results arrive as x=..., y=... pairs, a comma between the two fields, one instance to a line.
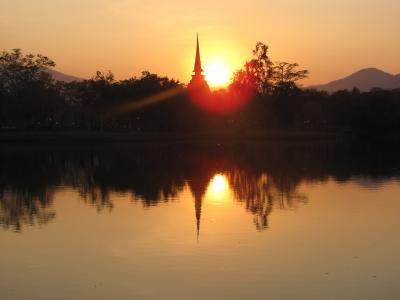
x=218, y=185
x=217, y=74
x=218, y=190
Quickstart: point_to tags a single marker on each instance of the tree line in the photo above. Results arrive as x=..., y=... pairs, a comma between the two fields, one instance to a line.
x=30, y=99
x=266, y=176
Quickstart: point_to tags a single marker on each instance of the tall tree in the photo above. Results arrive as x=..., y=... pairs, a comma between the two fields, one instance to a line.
x=18, y=70
x=256, y=73
x=285, y=75
x=28, y=90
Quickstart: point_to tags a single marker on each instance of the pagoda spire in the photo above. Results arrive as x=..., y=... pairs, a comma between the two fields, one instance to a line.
x=197, y=65
x=198, y=81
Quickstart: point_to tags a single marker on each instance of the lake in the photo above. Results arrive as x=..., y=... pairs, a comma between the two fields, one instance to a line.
x=272, y=220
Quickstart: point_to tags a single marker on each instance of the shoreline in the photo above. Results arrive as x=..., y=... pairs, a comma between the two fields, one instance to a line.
x=118, y=136
x=84, y=137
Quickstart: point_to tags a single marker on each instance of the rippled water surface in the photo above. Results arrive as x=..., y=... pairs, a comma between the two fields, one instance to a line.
x=304, y=220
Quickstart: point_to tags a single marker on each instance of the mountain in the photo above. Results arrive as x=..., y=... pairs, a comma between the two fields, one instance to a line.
x=364, y=80
x=62, y=77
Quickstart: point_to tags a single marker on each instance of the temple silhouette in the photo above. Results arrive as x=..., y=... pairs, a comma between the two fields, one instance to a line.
x=198, y=81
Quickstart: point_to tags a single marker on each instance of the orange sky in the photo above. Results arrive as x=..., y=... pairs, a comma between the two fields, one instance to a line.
x=330, y=38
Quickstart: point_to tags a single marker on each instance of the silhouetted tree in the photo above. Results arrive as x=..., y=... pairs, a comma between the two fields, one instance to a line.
x=256, y=73
x=29, y=96
x=285, y=75
x=18, y=70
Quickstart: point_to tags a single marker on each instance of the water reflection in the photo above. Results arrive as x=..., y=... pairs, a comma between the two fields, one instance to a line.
x=262, y=177
x=19, y=207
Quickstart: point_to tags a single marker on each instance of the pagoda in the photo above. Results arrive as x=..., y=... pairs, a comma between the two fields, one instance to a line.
x=198, y=81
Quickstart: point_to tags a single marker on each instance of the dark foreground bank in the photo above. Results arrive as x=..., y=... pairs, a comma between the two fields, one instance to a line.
x=110, y=136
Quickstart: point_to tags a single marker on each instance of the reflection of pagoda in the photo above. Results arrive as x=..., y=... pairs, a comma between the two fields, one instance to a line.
x=198, y=81
x=198, y=186
x=198, y=201
x=200, y=172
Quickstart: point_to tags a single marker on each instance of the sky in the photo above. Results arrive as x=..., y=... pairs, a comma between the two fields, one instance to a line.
x=329, y=38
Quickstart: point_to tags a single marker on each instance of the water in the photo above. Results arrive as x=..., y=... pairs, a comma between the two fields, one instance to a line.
x=278, y=220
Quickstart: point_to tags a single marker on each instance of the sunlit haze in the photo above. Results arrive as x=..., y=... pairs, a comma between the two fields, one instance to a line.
x=331, y=39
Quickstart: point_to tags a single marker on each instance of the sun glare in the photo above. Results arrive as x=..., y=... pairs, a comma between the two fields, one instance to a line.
x=217, y=74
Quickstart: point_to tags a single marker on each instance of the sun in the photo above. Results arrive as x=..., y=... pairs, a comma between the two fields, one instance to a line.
x=217, y=74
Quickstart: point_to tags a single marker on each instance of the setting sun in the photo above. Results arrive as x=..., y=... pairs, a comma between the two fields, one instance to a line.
x=217, y=74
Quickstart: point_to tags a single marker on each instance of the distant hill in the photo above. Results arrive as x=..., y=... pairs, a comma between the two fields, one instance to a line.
x=364, y=80
x=63, y=77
